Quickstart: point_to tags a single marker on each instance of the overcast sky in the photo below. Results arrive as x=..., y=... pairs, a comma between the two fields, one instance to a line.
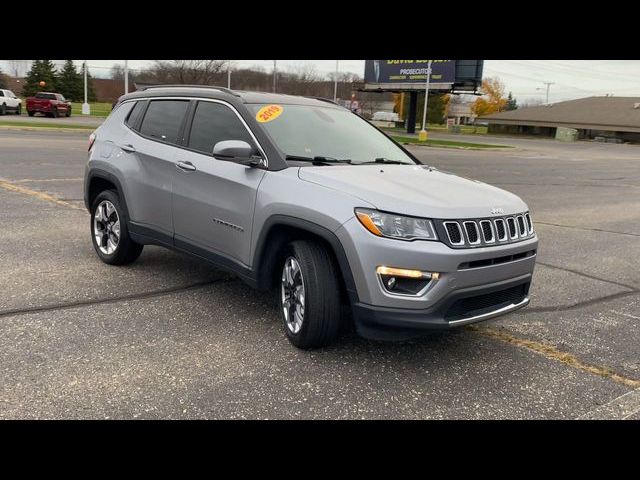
x=525, y=78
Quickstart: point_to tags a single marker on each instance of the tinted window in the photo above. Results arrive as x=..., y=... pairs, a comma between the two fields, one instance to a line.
x=163, y=119
x=134, y=114
x=213, y=123
x=1, y=93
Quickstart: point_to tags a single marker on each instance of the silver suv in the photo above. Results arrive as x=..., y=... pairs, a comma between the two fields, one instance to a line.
x=307, y=198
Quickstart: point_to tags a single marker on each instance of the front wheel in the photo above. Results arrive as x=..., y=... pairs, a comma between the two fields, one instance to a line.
x=109, y=231
x=19, y=110
x=55, y=113
x=30, y=113
x=309, y=295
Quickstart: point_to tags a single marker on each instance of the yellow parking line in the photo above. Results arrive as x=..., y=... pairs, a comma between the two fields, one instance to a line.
x=40, y=195
x=553, y=353
x=38, y=180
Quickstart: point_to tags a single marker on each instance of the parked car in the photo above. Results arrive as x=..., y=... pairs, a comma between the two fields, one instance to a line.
x=306, y=198
x=386, y=117
x=51, y=104
x=9, y=102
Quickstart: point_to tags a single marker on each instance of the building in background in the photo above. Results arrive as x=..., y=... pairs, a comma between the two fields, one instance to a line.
x=600, y=118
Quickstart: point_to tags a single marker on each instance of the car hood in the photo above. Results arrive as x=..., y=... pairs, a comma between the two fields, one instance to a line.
x=415, y=190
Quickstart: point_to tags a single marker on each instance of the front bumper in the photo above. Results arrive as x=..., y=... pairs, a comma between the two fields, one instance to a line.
x=383, y=323
x=490, y=290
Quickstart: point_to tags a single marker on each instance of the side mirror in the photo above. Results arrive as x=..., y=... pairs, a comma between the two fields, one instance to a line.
x=237, y=151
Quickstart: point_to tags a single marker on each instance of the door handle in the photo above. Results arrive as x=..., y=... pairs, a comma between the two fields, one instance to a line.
x=128, y=148
x=186, y=166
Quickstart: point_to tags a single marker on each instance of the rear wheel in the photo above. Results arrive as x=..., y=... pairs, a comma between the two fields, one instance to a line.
x=30, y=113
x=309, y=295
x=109, y=231
x=3, y=109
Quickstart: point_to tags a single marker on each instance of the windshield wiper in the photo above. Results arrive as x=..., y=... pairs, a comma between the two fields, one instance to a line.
x=386, y=161
x=317, y=160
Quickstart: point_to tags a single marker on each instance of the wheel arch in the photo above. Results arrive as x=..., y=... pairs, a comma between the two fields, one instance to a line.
x=278, y=231
x=100, y=180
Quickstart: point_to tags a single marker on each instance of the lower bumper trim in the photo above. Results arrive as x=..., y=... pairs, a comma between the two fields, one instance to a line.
x=384, y=323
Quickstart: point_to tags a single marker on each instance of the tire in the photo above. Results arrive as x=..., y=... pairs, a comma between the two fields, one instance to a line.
x=3, y=109
x=55, y=113
x=19, y=110
x=123, y=251
x=30, y=113
x=68, y=114
x=320, y=321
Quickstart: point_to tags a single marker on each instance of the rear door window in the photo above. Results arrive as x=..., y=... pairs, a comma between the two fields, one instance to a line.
x=163, y=119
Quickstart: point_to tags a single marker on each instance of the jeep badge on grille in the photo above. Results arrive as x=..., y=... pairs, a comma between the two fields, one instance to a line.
x=497, y=211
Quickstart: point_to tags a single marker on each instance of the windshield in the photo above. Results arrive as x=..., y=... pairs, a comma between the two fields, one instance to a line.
x=328, y=132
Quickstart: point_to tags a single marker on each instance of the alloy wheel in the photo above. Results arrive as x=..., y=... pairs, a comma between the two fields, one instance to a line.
x=106, y=227
x=292, y=295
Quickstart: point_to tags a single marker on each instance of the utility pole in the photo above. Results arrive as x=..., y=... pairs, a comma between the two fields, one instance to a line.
x=422, y=136
x=86, y=110
x=548, y=84
x=229, y=74
x=274, y=75
x=126, y=77
x=335, y=85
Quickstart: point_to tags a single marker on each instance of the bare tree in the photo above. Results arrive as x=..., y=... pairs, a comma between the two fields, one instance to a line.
x=196, y=72
x=19, y=68
x=117, y=72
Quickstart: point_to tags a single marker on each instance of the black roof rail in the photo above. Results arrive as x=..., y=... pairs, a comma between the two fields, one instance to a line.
x=178, y=85
x=323, y=99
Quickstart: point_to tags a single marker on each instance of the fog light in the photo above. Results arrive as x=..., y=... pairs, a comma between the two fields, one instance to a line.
x=404, y=281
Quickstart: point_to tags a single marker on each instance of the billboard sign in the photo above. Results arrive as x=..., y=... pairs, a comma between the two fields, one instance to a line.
x=409, y=71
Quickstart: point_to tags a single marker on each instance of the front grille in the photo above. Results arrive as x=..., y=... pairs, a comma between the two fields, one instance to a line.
x=484, y=232
x=472, y=232
x=521, y=227
x=487, y=262
x=501, y=229
x=454, y=233
x=511, y=223
x=472, y=306
x=529, y=224
x=487, y=231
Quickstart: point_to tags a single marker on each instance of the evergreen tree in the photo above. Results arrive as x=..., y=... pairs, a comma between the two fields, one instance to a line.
x=436, y=109
x=70, y=82
x=512, y=104
x=3, y=80
x=41, y=71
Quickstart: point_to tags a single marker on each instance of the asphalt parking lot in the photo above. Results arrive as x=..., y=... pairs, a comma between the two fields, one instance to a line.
x=168, y=337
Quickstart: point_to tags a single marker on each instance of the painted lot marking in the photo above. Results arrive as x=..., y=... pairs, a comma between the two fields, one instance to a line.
x=41, y=195
x=619, y=408
x=553, y=353
x=38, y=180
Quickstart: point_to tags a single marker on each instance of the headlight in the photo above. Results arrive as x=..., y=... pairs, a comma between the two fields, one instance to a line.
x=396, y=226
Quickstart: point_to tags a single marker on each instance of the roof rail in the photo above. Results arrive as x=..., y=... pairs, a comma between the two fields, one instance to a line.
x=322, y=99
x=212, y=87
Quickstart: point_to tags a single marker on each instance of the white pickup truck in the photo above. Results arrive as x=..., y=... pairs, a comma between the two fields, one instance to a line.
x=9, y=102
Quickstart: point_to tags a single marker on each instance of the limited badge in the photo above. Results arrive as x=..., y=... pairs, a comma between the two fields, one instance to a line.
x=268, y=113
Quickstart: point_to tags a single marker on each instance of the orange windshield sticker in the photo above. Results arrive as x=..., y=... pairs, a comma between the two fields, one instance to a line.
x=268, y=113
